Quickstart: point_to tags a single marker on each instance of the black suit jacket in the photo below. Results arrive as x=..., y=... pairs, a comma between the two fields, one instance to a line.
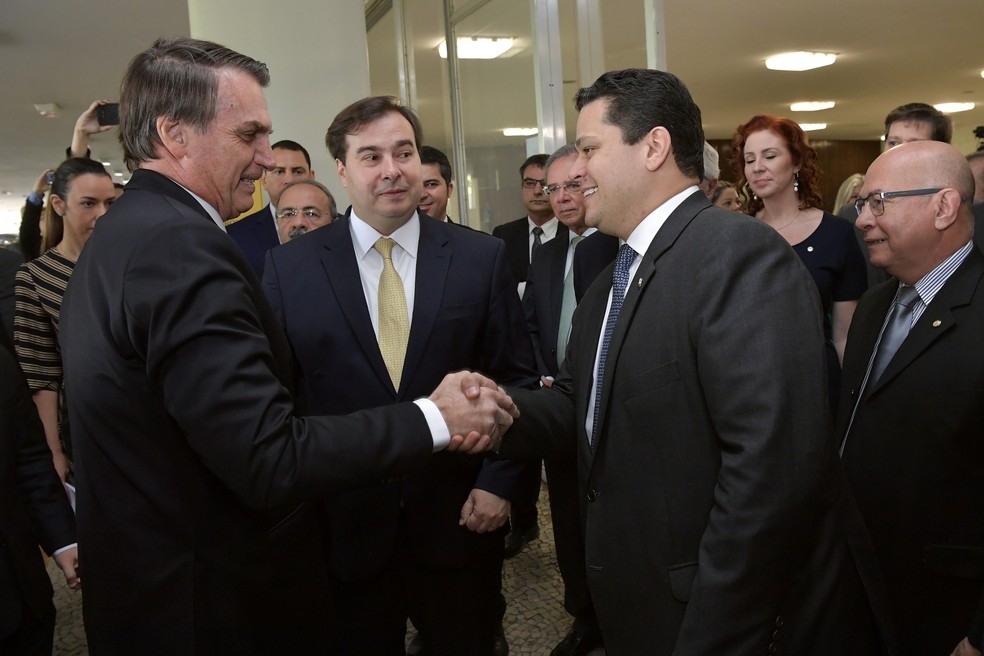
x=516, y=234
x=256, y=233
x=713, y=501
x=915, y=459
x=191, y=463
x=10, y=262
x=33, y=507
x=596, y=252
x=544, y=294
x=466, y=316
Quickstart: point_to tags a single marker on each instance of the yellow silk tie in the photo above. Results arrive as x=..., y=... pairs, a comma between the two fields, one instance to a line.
x=394, y=321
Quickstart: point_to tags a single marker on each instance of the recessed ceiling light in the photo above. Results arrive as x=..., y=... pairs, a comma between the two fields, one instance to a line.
x=48, y=110
x=118, y=175
x=812, y=106
x=106, y=163
x=519, y=132
x=954, y=107
x=810, y=127
x=478, y=47
x=800, y=61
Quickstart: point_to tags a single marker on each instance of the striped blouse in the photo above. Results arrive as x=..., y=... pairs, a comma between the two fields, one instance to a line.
x=38, y=291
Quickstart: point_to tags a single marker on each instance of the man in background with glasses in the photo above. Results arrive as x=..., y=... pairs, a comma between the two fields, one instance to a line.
x=305, y=205
x=912, y=408
x=523, y=237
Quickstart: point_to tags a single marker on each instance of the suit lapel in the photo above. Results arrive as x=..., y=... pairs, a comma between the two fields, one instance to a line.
x=668, y=233
x=555, y=283
x=937, y=320
x=433, y=259
x=342, y=269
x=590, y=318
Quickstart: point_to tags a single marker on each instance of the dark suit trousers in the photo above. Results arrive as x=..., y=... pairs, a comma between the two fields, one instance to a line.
x=372, y=612
x=569, y=538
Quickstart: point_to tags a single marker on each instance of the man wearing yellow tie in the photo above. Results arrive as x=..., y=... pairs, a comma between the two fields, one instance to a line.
x=378, y=307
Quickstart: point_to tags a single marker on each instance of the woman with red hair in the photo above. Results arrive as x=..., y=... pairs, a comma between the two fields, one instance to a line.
x=774, y=158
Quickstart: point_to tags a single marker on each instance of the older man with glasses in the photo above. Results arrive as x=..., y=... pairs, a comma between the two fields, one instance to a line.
x=305, y=205
x=912, y=405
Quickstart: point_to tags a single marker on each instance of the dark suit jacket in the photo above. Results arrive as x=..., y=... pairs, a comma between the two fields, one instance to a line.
x=915, y=459
x=33, y=506
x=10, y=262
x=979, y=226
x=713, y=494
x=516, y=234
x=190, y=461
x=256, y=233
x=465, y=315
x=596, y=252
x=544, y=292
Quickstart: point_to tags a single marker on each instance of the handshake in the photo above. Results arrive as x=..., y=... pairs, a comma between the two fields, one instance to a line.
x=477, y=411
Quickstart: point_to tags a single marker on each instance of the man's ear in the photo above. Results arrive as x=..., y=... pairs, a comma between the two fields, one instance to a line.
x=340, y=167
x=658, y=147
x=450, y=189
x=174, y=136
x=947, y=208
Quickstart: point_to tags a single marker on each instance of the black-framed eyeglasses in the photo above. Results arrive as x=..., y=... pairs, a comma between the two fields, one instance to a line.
x=876, y=199
x=572, y=187
x=531, y=183
x=308, y=213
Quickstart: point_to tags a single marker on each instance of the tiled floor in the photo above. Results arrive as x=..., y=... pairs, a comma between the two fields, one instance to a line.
x=535, y=619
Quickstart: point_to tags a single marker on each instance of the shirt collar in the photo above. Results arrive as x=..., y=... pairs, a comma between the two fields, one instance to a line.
x=645, y=232
x=212, y=212
x=365, y=236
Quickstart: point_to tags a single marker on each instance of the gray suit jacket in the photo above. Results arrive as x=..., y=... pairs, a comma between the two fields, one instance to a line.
x=713, y=501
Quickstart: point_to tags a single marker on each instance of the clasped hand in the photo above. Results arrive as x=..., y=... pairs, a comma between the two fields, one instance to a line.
x=477, y=411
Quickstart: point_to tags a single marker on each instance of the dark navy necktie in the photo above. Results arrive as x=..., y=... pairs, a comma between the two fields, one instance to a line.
x=620, y=281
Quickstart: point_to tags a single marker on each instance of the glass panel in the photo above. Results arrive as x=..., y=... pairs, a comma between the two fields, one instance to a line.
x=384, y=78
x=497, y=94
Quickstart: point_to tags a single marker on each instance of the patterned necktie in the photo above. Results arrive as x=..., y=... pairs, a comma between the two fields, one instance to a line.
x=394, y=321
x=620, y=281
x=895, y=332
x=537, y=242
x=567, y=305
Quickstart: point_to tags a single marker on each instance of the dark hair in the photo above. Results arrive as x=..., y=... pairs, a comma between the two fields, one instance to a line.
x=174, y=78
x=642, y=99
x=566, y=150
x=317, y=185
x=359, y=114
x=534, y=160
x=61, y=185
x=940, y=123
x=431, y=155
x=287, y=144
x=802, y=153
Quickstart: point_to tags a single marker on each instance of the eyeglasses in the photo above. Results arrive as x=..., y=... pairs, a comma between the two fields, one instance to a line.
x=531, y=183
x=308, y=213
x=876, y=199
x=571, y=187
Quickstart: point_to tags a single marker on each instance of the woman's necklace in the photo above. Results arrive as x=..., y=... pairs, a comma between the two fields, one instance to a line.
x=781, y=228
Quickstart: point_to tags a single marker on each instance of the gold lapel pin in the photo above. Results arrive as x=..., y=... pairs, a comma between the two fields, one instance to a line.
x=937, y=323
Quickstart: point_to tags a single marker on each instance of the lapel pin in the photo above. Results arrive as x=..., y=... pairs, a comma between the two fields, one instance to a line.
x=937, y=323
x=639, y=283
x=809, y=249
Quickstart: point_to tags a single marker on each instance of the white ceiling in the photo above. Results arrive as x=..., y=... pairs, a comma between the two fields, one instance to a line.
x=891, y=52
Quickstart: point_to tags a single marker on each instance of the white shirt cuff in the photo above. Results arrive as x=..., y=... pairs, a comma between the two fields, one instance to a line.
x=435, y=422
x=65, y=548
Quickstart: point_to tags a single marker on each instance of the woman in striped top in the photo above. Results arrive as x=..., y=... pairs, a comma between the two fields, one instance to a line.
x=81, y=192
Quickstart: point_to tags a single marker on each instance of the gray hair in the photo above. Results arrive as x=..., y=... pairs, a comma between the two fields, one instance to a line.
x=712, y=170
x=566, y=150
x=174, y=78
x=317, y=185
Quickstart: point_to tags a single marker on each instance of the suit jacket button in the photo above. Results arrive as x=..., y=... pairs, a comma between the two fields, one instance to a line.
x=592, y=495
x=772, y=647
x=779, y=621
x=776, y=634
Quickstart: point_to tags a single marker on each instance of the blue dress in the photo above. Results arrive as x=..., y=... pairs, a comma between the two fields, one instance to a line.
x=834, y=259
